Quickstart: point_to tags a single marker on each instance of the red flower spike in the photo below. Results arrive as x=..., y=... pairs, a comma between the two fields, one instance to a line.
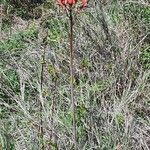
x=84, y=3
x=63, y=3
x=71, y=2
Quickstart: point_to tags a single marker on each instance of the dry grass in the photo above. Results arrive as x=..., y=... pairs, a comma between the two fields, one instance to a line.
x=112, y=88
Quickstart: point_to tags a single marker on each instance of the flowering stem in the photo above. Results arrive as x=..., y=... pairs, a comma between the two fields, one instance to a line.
x=71, y=83
x=41, y=129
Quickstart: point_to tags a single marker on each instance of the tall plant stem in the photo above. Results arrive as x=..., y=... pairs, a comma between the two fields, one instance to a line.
x=41, y=130
x=71, y=83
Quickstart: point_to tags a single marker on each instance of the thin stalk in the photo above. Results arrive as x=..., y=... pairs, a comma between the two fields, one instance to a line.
x=53, y=105
x=71, y=83
x=41, y=130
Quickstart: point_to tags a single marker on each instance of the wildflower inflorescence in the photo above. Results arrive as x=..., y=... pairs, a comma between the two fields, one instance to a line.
x=71, y=3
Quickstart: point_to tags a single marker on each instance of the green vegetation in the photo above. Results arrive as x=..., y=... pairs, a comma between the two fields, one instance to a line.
x=111, y=76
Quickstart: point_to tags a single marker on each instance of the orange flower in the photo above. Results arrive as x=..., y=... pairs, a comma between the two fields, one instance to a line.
x=66, y=2
x=84, y=3
x=71, y=2
x=63, y=3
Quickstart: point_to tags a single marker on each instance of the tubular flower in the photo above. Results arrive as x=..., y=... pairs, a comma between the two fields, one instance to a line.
x=71, y=2
x=64, y=3
x=84, y=3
